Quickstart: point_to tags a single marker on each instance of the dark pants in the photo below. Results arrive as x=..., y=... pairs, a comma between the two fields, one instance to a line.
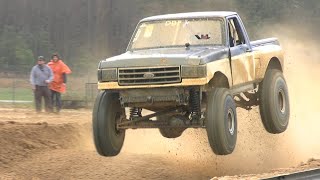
x=43, y=91
x=56, y=100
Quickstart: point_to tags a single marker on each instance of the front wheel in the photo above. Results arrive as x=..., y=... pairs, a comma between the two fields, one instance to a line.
x=221, y=121
x=107, y=112
x=274, y=102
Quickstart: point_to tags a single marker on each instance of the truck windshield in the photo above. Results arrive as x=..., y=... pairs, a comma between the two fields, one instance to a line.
x=175, y=33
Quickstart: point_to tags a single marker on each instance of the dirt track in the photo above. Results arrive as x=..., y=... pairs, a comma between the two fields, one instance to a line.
x=60, y=146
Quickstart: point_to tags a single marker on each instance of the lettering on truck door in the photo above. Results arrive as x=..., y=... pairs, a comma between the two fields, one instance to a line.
x=242, y=61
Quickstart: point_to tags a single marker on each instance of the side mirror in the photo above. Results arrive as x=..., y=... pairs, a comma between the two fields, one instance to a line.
x=245, y=48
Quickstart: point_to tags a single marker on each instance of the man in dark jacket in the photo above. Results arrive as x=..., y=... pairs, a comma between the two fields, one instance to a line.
x=40, y=77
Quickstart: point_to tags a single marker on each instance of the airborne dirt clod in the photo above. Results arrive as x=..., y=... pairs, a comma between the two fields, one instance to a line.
x=60, y=146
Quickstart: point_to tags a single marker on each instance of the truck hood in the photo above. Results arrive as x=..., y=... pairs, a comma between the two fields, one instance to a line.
x=162, y=57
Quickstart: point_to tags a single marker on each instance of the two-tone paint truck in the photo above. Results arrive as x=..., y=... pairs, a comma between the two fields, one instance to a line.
x=192, y=70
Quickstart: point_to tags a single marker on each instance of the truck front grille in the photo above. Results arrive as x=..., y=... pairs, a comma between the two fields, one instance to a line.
x=150, y=75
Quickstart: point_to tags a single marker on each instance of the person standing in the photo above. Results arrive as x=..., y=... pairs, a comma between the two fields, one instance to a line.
x=58, y=85
x=40, y=77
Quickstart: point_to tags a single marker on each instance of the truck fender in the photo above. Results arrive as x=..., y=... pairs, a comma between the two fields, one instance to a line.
x=219, y=80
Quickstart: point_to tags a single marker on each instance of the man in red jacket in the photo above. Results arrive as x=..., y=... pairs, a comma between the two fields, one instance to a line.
x=58, y=85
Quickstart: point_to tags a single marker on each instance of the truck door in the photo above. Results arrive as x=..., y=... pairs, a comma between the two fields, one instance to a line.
x=242, y=61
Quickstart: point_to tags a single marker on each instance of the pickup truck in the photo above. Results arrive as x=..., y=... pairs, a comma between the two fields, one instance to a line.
x=190, y=70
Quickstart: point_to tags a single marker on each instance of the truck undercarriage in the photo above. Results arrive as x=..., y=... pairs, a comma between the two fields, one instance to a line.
x=185, y=106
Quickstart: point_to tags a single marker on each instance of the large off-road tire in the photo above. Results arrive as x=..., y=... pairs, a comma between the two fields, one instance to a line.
x=106, y=112
x=221, y=121
x=274, y=102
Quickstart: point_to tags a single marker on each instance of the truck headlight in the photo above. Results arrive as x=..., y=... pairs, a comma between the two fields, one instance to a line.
x=199, y=71
x=107, y=75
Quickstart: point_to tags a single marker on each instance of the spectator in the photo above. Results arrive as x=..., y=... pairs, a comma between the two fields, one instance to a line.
x=40, y=77
x=58, y=85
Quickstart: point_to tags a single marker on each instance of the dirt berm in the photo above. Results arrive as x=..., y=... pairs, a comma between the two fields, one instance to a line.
x=60, y=146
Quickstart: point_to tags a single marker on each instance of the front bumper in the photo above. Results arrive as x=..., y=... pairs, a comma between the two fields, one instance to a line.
x=184, y=82
x=160, y=97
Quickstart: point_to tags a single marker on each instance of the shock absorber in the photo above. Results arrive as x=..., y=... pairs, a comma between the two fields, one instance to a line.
x=135, y=112
x=195, y=109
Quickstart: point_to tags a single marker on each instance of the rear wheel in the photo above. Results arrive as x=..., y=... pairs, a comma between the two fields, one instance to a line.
x=107, y=112
x=221, y=121
x=274, y=102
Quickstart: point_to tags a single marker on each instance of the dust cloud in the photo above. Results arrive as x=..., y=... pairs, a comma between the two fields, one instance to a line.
x=302, y=73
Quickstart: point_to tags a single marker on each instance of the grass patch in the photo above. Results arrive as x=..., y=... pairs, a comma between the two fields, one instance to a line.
x=21, y=94
x=17, y=105
x=26, y=94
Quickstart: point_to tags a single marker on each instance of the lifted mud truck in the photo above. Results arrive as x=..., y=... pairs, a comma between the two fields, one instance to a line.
x=192, y=70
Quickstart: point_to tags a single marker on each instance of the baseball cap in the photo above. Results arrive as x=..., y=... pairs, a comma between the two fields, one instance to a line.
x=41, y=58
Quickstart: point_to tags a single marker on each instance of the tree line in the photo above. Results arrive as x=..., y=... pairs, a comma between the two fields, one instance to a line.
x=85, y=31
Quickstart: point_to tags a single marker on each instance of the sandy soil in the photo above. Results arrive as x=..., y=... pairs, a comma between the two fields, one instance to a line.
x=53, y=146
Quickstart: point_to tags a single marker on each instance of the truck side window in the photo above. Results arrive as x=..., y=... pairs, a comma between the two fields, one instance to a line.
x=232, y=33
x=236, y=36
